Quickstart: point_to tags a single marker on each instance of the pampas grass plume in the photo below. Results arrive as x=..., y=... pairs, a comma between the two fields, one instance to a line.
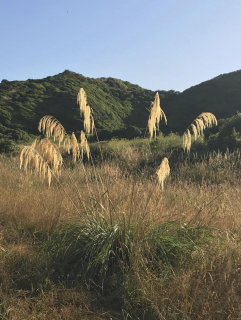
x=163, y=171
x=52, y=127
x=84, y=147
x=203, y=121
x=75, y=147
x=42, y=158
x=86, y=111
x=156, y=114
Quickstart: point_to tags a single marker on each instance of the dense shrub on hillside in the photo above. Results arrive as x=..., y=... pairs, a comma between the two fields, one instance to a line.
x=7, y=146
x=116, y=104
x=228, y=135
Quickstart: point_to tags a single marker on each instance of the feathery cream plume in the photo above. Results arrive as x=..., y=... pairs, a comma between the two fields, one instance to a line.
x=75, y=147
x=51, y=154
x=84, y=147
x=156, y=114
x=163, y=171
x=203, y=121
x=86, y=111
x=187, y=140
x=52, y=127
x=42, y=158
x=67, y=144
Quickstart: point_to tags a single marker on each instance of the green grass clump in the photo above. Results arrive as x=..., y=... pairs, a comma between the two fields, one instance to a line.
x=173, y=243
x=93, y=251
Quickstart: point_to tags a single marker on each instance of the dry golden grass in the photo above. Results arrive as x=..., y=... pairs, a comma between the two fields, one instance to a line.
x=203, y=289
x=203, y=121
x=59, y=303
x=156, y=114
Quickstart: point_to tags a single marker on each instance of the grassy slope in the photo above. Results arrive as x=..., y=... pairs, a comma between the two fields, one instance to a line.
x=116, y=103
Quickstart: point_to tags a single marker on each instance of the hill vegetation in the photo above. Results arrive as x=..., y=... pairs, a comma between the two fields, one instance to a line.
x=120, y=108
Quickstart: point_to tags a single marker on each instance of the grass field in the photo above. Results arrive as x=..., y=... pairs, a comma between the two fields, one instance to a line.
x=105, y=242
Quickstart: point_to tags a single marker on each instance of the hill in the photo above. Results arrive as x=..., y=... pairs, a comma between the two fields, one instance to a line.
x=117, y=104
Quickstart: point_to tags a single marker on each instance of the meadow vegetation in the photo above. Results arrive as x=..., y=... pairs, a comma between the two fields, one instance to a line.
x=120, y=247
x=120, y=108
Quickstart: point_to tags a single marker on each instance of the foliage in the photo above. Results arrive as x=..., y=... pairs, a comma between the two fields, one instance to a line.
x=7, y=146
x=116, y=104
x=93, y=251
x=228, y=135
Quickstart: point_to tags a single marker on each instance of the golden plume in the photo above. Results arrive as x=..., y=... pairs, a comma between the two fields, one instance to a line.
x=43, y=159
x=51, y=154
x=84, y=147
x=156, y=114
x=86, y=111
x=75, y=147
x=163, y=171
x=52, y=127
x=203, y=121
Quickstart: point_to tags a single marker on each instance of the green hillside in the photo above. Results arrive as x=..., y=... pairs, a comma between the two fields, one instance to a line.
x=117, y=104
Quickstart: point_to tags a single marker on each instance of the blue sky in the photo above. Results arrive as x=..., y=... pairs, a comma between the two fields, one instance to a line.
x=157, y=44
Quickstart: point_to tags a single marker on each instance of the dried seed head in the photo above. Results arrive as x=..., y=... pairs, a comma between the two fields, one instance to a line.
x=86, y=111
x=52, y=127
x=203, y=121
x=156, y=114
x=163, y=171
x=84, y=147
x=187, y=140
x=42, y=158
x=75, y=147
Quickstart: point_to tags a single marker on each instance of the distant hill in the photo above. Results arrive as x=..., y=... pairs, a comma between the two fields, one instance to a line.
x=117, y=104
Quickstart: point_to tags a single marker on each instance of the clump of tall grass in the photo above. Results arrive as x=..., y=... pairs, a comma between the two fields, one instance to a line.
x=203, y=121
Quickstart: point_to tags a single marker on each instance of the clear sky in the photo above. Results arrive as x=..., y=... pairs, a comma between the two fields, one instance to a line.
x=157, y=44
